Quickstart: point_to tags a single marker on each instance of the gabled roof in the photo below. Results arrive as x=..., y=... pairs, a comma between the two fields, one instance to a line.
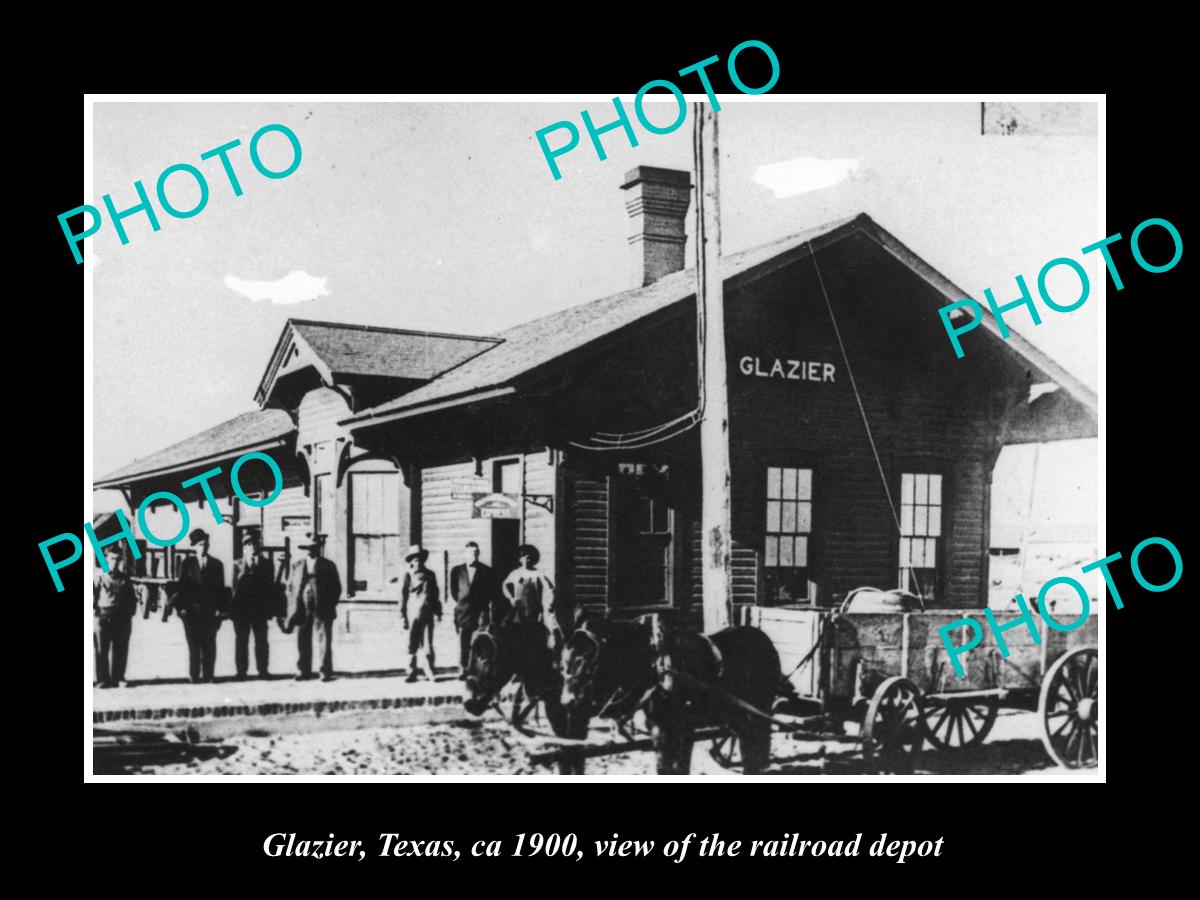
x=254, y=430
x=527, y=347
x=338, y=349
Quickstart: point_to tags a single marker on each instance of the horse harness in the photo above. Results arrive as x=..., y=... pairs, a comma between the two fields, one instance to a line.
x=622, y=703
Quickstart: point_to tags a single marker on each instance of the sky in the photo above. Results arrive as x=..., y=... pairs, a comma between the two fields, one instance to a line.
x=444, y=216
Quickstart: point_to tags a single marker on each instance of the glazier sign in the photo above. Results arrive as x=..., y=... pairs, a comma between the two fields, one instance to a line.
x=791, y=369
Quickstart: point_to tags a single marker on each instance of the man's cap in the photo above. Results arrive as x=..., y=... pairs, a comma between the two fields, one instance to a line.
x=251, y=537
x=197, y=536
x=311, y=540
x=416, y=550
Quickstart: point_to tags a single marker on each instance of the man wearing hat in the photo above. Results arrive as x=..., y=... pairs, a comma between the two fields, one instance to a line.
x=113, y=605
x=421, y=584
x=200, y=601
x=253, y=605
x=313, y=591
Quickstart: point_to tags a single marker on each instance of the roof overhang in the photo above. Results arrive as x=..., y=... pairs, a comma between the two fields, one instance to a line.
x=367, y=419
x=151, y=474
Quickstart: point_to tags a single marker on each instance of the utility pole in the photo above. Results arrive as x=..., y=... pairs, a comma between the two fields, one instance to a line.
x=1027, y=526
x=715, y=518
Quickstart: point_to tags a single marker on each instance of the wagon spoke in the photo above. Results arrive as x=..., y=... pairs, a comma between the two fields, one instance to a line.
x=1079, y=679
x=1080, y=754
x=1071, y=692
x=970, y=723
x=1067, y=705
x=895, y=725
x=1075, y=735
x=1063, y=727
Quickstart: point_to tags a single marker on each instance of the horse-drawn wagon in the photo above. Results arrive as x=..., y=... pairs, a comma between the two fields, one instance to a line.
x=880, y=660
x=876, y=663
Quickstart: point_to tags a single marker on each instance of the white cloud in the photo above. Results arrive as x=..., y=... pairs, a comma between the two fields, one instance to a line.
x=796, y=176
x=295, y=287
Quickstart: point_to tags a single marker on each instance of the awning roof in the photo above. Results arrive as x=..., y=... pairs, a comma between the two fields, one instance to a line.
x=250, y=431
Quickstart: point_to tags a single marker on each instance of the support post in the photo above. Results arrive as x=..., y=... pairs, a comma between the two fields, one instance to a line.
x=716, y=517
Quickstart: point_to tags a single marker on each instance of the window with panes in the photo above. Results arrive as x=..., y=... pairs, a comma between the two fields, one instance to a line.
x=920, y=532
x=789, y=513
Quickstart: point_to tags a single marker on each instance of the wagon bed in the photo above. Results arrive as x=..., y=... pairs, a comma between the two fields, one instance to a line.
x=838, y=663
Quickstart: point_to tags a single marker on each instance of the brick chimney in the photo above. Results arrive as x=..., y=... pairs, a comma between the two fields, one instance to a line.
x=657, y=204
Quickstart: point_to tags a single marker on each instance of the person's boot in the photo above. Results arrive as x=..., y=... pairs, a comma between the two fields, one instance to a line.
x=412, y=669
x=429, y=659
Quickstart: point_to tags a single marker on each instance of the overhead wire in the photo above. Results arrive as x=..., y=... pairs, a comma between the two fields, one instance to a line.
x=635, y=440
x=862, y=410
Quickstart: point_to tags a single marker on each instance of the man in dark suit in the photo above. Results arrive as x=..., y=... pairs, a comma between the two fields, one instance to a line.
x=254, y=593
x=475, y=591
x=200, y=600
x=313, y=591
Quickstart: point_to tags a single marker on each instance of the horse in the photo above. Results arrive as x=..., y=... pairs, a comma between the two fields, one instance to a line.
x=682, y=681
x=514, y=649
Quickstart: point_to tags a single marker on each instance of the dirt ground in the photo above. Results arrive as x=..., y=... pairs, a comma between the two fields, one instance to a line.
x=489, y=747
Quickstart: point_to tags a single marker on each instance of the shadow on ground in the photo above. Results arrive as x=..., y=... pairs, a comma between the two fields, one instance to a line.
x=1011, y=757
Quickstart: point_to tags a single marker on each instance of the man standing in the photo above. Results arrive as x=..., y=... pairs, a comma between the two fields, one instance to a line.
x=113, y=605
x=421, y=584
x=200, y=601
x=313, y=591
x=253, y=606
x=473, y=588
x=532, y=596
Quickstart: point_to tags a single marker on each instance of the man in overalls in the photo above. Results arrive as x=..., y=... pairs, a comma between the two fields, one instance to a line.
x=113, y=604
x=420, y=584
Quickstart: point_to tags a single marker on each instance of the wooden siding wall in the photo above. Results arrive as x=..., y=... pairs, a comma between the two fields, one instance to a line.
x=588, y=538
x=928, y=411
x=745, y=571
x=446, y=522
x=293, y=502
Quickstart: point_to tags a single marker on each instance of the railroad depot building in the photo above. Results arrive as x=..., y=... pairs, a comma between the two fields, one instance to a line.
x=389, y=437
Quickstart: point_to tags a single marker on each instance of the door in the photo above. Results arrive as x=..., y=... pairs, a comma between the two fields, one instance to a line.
x=506, y=536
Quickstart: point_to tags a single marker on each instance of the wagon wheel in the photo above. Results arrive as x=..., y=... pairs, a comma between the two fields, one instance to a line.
x=952, y=723
x=893, y=730
x=1070, y=709
x=726, y=750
